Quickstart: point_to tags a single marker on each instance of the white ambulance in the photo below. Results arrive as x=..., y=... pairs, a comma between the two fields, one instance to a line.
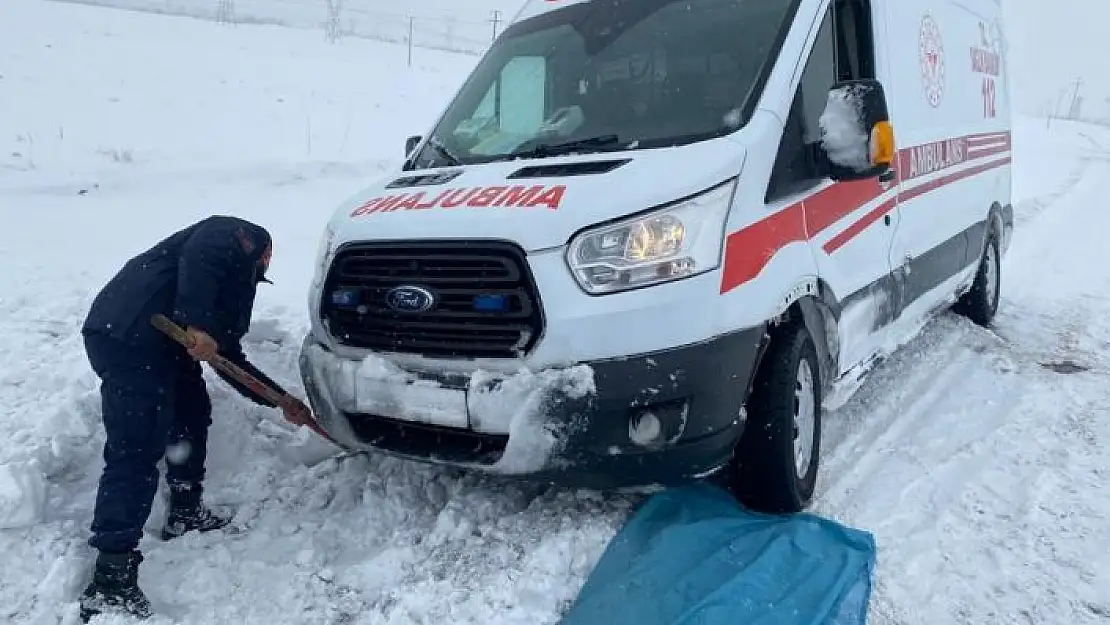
x=646, y=241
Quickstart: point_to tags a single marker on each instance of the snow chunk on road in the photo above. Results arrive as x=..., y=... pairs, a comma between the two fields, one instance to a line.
x=22, y=494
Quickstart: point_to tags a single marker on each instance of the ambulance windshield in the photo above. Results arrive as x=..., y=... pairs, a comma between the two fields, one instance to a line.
x=608, y=75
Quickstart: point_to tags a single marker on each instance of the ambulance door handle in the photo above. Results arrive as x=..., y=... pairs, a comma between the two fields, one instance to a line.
x=886, y=219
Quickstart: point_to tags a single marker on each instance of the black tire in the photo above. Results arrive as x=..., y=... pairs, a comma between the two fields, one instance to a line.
x=764, y=472
x=980, y=303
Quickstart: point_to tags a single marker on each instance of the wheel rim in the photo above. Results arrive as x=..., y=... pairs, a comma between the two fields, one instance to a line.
x=805, y=411
x=990, y=276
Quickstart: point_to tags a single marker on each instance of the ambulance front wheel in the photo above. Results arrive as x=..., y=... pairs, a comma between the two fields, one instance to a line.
x=775, y=467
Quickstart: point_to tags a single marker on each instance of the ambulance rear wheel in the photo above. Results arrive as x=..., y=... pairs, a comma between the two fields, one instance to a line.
x=775, y=468
x=981, y=303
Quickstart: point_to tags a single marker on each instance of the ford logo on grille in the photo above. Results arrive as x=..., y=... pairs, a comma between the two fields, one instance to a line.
x=413, y=299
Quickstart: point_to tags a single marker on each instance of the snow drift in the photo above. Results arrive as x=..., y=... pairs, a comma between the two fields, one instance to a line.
x=976, y=466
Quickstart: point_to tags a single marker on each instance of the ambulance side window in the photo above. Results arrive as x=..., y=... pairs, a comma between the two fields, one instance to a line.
x=796, y=166
x=843, y=51
x=855, y=43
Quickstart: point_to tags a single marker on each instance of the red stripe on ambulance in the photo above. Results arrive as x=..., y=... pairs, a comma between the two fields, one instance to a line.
x=750, y=249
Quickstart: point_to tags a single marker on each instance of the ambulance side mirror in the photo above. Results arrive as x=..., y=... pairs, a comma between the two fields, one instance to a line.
x=857, y=139
x=411, y=143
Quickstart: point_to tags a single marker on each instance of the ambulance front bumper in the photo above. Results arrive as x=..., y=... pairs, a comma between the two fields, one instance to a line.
x=660, y=418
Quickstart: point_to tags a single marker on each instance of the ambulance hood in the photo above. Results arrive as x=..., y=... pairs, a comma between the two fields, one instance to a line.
x=537, y=203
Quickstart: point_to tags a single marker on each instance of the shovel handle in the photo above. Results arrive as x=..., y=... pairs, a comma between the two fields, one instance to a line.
x=177, y=333
x=172, y=330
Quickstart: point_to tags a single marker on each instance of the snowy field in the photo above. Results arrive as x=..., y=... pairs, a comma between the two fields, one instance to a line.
x=438, y=24
x=979, y=459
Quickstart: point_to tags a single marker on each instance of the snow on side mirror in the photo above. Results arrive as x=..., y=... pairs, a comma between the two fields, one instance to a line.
x=857, y=139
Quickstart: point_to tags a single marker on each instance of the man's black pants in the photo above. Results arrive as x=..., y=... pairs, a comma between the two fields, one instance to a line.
x=154, y=403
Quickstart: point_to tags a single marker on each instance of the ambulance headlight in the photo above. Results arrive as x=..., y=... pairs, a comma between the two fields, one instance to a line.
x=324, y=253
x=677, y=241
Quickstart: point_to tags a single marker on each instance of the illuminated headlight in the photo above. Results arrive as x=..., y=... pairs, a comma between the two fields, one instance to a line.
x=678, y=241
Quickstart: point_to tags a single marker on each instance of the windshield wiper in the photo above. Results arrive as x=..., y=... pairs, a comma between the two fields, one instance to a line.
x=556, y=149
x=444, y=153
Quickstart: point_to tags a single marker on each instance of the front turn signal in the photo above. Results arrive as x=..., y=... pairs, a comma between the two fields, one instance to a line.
x=882, y=145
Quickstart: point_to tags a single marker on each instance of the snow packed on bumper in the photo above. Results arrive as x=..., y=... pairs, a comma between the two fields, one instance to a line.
x=515, y=404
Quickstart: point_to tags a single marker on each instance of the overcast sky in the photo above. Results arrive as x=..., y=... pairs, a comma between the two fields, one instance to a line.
x=1052, y=43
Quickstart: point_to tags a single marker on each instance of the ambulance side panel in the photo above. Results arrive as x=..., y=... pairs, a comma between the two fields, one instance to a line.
x=766, y=259
x=852, y=261
x=767, y=263
x=816, y=238
x=848, y=223
x=952, y=128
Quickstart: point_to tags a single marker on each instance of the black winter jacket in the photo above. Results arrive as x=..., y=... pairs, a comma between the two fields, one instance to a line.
x=204, y=276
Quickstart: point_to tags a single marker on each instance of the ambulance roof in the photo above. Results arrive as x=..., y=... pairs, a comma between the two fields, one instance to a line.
x=533, y=8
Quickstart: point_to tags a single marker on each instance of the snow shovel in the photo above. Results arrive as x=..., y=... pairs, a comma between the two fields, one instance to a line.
x=177, y=333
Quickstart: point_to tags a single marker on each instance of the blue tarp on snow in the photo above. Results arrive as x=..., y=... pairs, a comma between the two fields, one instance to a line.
x=692, y=555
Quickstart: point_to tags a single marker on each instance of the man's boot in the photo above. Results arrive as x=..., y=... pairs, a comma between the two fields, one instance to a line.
x=187, y=513
x=115, y=587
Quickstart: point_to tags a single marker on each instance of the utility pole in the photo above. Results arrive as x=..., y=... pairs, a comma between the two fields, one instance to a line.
x=225, y=12
x=412, y=29
x=1073, y=109
x=496, y=21
x=334, y=27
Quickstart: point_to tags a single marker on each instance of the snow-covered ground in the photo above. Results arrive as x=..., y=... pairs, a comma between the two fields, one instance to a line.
x=981, y=472
x=437, y=24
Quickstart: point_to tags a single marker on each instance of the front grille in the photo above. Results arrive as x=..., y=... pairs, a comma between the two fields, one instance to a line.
x=485, y=300
x=422, y=440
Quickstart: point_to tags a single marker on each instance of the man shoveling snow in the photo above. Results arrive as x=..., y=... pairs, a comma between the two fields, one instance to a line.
x=153, y=394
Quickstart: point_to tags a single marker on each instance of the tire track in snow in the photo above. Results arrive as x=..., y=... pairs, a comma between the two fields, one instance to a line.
x=879, y=429
x=918, y=437
x=977, y=468
x=1098, y=151
x=954, y=496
